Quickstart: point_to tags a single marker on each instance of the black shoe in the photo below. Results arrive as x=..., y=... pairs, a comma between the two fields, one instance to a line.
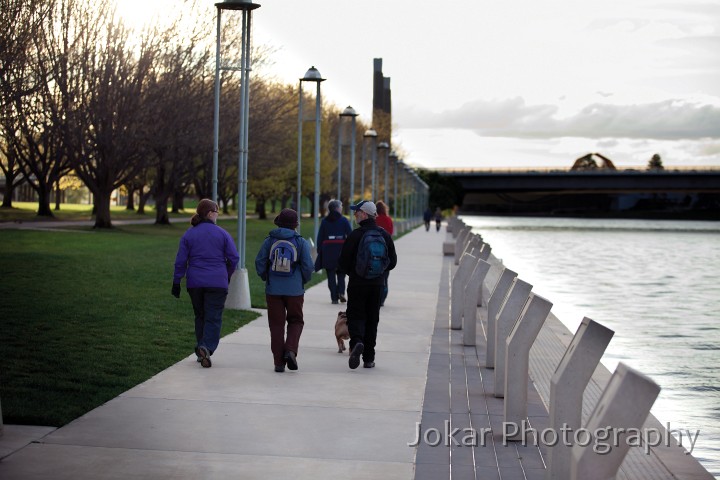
x=342, y=298
x=279, y=368
x=369, y=365
x=334, y=302
x=354, y=360
x=291, y=361
x=204, y=357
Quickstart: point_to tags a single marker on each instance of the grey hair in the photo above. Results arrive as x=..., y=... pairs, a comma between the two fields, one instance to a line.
x=335, y=205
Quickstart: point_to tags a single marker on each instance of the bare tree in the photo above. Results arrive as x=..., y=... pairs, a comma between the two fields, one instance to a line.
x=100, y=76
x=20, y=23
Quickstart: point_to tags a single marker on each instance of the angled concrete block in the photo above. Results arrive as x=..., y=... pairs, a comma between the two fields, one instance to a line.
x=457, y=289
x=460, y=242
x=448, y=245
x=509, y=314
x=486, y=250
x=497, y=299
x=517, y=360
x=622, y=409
x=567, y=387
x=473, y=290
x=473, y=244
x=484, y=255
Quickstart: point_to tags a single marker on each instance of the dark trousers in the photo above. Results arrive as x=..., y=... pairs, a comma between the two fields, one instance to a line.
x=282, y=309
x=208, y=305
x=336, y=283
x=363, y=313
x=384, y=294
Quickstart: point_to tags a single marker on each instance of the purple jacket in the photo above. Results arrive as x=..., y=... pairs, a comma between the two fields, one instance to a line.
x=206, y=256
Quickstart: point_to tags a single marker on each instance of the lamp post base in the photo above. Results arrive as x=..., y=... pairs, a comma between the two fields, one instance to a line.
x=239, y=291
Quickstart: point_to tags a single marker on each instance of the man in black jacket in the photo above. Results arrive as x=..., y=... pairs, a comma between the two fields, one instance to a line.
x=363, y=306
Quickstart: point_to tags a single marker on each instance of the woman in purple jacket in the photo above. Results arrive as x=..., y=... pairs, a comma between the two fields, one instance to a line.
x=207, y=257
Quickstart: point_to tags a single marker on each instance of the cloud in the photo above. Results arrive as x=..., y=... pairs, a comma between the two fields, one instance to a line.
x=668, y=120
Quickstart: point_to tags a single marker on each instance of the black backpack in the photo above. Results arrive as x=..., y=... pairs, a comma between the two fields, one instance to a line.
x=372, y=256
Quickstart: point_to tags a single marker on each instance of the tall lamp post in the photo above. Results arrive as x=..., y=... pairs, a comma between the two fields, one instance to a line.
x=394, y=159
x=239, y=288
x=312, y=75
x=384, y=149
x=348, y=112
x=370, y=136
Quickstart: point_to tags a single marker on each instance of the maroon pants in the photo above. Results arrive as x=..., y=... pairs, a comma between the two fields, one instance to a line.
x=281, y=309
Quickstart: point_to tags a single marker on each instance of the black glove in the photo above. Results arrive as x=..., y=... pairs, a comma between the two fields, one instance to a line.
x=176, y=290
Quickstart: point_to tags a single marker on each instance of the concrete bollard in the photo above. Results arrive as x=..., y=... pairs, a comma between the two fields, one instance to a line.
x=486, y=250
x=448, y=247
x=484, y=255
x=473, y=291
x=620, y=413
x=567, y=387
x=517, y=361
x=459, y=281
x=497, y=298
x=460, y=243
x=509, y=314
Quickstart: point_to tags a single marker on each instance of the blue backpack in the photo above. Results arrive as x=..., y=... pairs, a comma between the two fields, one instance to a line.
x=372, y=257
x=283, y=257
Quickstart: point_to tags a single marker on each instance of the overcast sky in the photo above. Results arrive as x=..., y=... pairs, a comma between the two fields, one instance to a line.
x=516, y=83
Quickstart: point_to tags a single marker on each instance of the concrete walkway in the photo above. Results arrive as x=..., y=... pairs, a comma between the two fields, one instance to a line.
x=240, y=419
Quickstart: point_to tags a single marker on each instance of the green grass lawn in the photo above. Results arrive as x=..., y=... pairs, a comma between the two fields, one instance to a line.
x=87, y=314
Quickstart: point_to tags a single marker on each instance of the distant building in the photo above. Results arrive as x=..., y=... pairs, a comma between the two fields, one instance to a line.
x=588, y=162
x=382, y=103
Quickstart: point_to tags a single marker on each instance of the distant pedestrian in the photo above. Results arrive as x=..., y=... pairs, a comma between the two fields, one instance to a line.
x=332, y=233
x=207, y=258
x=383, y=220
x=427, y=217
x=438, y=218
x=285, y=265
x=366, y=281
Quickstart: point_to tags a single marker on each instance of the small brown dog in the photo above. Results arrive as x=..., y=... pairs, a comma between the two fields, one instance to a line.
x=341, y=331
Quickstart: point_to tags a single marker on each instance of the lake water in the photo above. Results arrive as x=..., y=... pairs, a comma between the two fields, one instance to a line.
x=655, y=283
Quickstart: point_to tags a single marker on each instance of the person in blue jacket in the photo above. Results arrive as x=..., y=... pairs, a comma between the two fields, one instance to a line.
x=332, y=233
x=207, y=258
x=284, y=289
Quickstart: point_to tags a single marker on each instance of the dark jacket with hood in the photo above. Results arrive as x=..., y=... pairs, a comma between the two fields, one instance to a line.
x=333, y=231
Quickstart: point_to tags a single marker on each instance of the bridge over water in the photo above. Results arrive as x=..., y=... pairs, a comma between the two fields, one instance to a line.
x=694, y=193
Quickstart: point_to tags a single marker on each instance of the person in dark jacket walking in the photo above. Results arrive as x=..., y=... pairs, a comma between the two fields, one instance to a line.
x=207, y=258
x=363, y=306
x=332, y=233
x=285, y=291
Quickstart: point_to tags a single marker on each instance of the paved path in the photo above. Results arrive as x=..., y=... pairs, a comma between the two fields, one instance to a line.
x=240, y=419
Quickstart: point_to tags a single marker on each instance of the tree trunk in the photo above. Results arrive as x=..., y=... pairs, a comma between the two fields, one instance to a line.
x=130, y=204
x=161, y=211
x=260, y=207
x=58, y=195
x=44, y=201
x=143, y=200
x=101, y=209
x=9, y=187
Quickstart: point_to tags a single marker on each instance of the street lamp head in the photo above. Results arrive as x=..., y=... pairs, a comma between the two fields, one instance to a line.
x=370, y=133
x=349, y=112
x=312, y=75
x=237, y=5
x=383, y=146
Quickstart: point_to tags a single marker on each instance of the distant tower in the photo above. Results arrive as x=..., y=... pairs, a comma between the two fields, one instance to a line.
x=382, y=111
